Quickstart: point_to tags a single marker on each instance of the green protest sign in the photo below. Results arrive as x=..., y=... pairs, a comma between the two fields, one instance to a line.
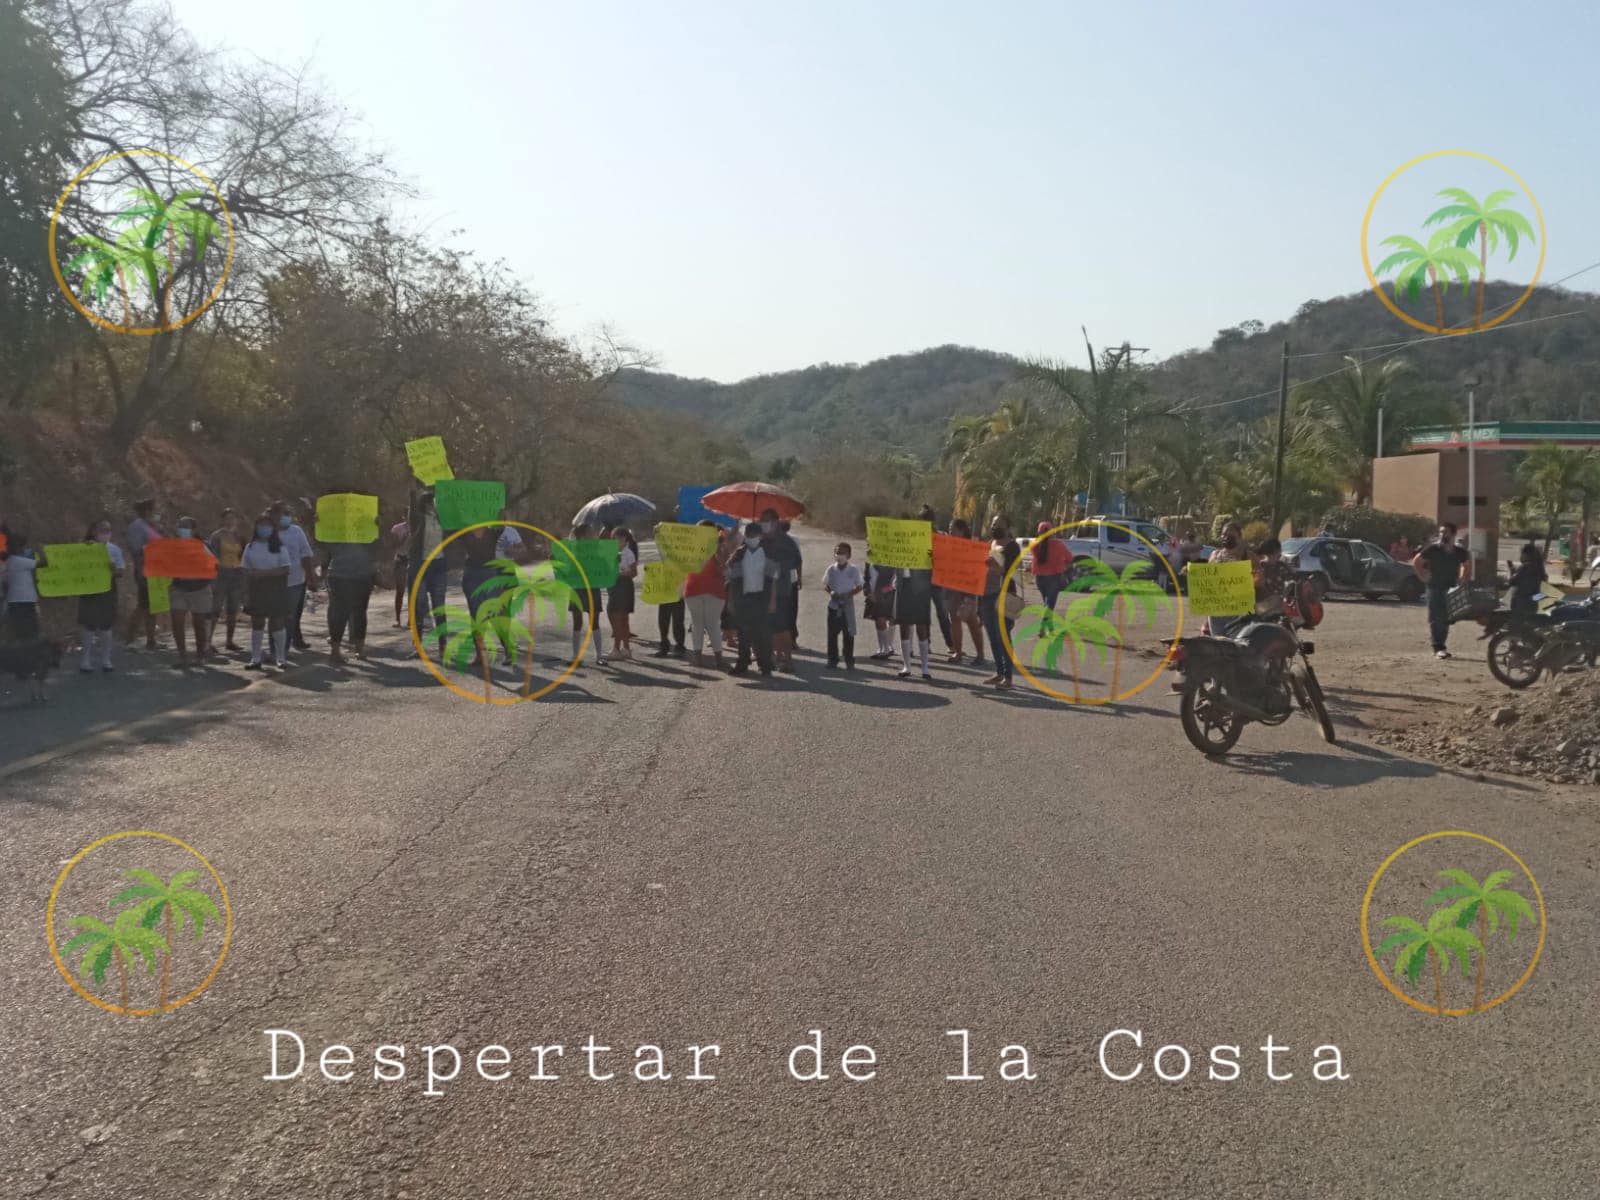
x=599, y=559
x=75, y=569
x=686, y=547
x=347, y=517
x=464, y=502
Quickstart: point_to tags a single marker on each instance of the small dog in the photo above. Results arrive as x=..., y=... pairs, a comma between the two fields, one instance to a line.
x=32, y=660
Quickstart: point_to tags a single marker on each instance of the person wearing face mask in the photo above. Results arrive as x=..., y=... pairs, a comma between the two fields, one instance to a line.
x=751, y=583
x=585, y=605
x=783, y=567
x=226, y=544
x=913, y=605
x=964, y=617
x=302, y=568
x=705, y=593
x=842, y=583
x=191, y=596
x=143, y=529
x=1003, y=552
x=97, y=615
x=267, y=563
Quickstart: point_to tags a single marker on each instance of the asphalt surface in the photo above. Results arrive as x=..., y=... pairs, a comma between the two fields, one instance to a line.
x=655, y=854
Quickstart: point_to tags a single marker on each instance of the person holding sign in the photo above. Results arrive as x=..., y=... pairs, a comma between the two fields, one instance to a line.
x=705, y=593
x=192, y=596
x=481, y=581
x=619, y=600
x=266, y=561
x=669, y=618
x=585, y=604
x=142, y=530
x=22, y=588
x=351, y=568
x=750, y=580
x=97, y=614
x=964, y=608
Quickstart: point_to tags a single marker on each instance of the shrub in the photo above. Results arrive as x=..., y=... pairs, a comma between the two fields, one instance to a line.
x=1376, y=526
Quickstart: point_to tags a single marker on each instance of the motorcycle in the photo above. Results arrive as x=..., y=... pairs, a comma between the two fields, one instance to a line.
x=1259, y=674
x=1524, y=646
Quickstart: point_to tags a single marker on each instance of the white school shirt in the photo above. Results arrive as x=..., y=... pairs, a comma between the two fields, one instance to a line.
x=842, y=580
x=753, y=568
x=258, y=556
x=21, y=587
x=118, y=563
x=625, y=559
x=298, y=547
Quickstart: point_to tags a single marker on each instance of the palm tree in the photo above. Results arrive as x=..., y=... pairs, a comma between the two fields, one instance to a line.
x=148, y=221
x=1416, y=260
x=460, y=630
x=101, y=944
x=1111, y=589
x=525, y=589
x=176, y=899
x=1434, y=943
x=1345, y=408
x=1487, y=222
x=1488, y=902
x=962, y=438
x=99, y=263
x=1551, y=476
x=1075, y=630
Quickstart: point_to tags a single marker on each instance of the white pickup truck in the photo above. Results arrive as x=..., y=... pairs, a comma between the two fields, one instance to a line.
x=1111, y=543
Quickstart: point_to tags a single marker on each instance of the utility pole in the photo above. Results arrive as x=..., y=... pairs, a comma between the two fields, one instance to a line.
x=1283, y=427
x=1472, y=482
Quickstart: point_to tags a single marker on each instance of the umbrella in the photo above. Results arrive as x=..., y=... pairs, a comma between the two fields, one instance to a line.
x=613, y=509
x=749, y=500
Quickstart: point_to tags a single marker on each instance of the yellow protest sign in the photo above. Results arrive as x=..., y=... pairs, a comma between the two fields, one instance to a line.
x=75, y=569
x=428, y=461
x=661, y=583
x=1225, y=589
x=160, y=594
x=347, y=517
x=686, y=547
x=892, y=543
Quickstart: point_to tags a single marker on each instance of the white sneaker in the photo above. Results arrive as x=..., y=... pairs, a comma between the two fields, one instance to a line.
x=1441, y=654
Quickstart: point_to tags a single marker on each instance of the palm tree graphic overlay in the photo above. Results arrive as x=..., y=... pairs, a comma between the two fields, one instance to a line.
x=174, y=901
x=136, y=251
x=1488, y=223
x=1489, y=903
x=101, y=944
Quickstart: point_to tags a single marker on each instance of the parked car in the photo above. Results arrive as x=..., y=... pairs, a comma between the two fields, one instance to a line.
x=1348, y=565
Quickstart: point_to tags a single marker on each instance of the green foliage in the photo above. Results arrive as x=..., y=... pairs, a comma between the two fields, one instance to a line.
x=1374, y=525
x=1256, y=532
x=99, y=943
x=1413, y=942
x=154, y=899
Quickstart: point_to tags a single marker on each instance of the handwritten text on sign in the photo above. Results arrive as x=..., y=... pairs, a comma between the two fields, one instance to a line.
x=960, y=564
x=686, y=546
x=599, y=560
x=662, y=581
x=464, y=502
x=892, y=543
x=76, y=569
x=428, y=461
x=1221, y=589
x=179, y=558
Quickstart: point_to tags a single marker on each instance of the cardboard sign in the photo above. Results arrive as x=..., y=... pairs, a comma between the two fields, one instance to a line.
x=599, y=559
x=1225, y=589
x=906, y=544
x=686, y=547
x=348, y=517
x=75, y=569
x=179, y=558
x=464, y=502
x=691, y=511
x=662, y=582
x=428, y=461
x=960, y=564
x=160, y=595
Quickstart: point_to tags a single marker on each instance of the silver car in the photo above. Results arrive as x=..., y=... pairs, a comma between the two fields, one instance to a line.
x=1338, y=564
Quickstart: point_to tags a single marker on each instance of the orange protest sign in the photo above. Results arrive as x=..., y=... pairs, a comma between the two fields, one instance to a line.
x=179, y=558
x=959, y=563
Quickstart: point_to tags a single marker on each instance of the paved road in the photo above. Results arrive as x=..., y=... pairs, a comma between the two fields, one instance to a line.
x=656, y=855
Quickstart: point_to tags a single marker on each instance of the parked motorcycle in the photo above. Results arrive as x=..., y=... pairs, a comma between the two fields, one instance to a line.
x=1524, y=646
x=1259, y=674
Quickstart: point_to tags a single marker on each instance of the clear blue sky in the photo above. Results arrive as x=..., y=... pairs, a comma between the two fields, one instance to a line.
x=740, y=188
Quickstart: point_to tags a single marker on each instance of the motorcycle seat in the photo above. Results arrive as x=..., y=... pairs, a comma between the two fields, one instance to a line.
x=1583, y=629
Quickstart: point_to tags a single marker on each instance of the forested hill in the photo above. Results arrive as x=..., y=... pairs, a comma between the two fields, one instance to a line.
x=1547, y=369
x=902, y=403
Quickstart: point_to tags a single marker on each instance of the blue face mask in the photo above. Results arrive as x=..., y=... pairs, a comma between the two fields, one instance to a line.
x=263, y=531
x=285, y=521
x=184, y=532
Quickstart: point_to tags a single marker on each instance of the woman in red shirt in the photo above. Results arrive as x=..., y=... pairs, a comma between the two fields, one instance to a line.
x=1049, y=564
x=705, y=592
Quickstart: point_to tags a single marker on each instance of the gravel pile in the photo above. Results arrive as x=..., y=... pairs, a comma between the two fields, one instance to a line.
x=1549, y=732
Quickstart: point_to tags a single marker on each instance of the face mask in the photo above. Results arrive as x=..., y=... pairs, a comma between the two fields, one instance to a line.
x=285, y=521
x=185, y=531
x=263, y=531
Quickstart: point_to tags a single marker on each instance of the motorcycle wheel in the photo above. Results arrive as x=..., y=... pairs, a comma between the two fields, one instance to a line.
x=1513, y=658
x=1319, y=705
x=1210, y=728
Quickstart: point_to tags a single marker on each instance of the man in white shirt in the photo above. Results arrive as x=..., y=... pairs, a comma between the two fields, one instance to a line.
x=755, y=603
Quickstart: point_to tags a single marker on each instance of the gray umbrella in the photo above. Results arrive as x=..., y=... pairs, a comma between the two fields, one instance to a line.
x=613, y=509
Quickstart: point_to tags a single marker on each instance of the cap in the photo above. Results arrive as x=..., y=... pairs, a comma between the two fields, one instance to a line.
x=1045, y=527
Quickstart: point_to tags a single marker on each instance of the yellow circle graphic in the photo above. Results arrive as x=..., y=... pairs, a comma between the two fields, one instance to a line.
x=66, y=973
x=1005, y=634
x=1366, y=260
x=422, y=651
x=166, y=326
x=1377, y=968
